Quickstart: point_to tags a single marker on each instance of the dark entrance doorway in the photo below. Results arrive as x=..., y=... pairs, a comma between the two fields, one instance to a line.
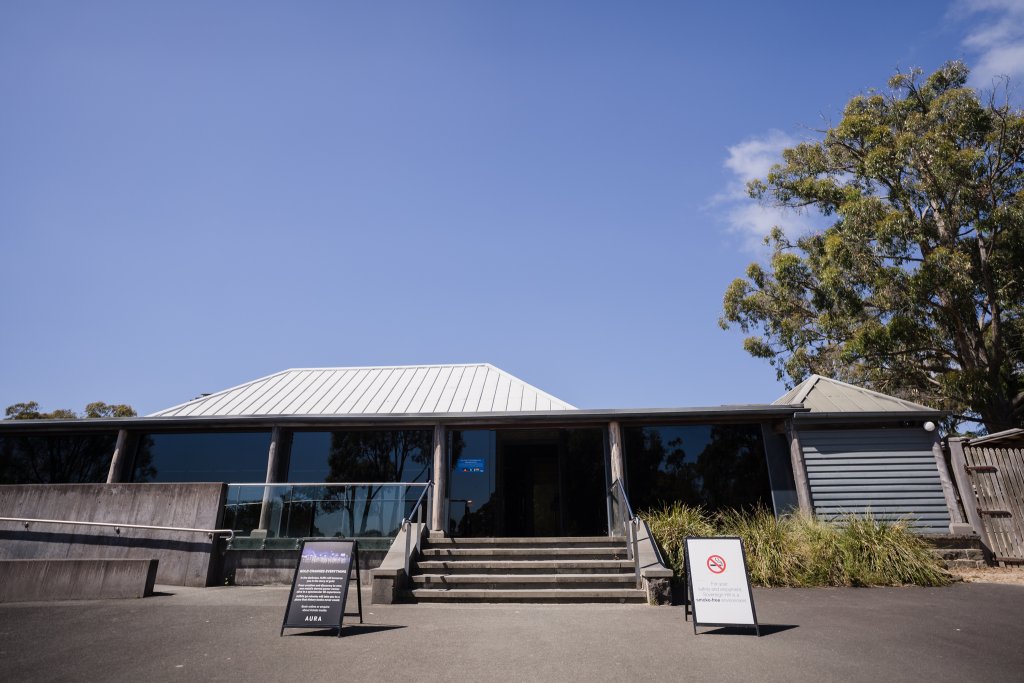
x=531, y=490
x=527, y=482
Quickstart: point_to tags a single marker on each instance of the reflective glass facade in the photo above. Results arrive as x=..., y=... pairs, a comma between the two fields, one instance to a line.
x=361, y=455
x=527, y=482
x=56, y=459
x=716, y=466
x=207, y=456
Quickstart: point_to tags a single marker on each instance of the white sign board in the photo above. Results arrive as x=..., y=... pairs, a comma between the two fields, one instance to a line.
x=718, y=582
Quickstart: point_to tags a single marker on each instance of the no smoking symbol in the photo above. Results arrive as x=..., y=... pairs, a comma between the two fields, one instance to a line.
x=716, y=563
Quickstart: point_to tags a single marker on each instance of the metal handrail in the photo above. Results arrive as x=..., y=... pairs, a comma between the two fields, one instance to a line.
x=407, y=522
x=335, y=483
x=631, y=525
x=636, y=520
x=117, y=527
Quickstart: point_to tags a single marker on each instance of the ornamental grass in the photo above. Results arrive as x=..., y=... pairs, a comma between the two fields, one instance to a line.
x=801, y=551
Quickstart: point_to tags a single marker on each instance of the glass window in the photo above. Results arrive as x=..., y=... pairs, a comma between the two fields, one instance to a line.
x=56, y=458
x=527, y=482
x=473, y=462
x=716, y=466
x=206, y=456
x=370, y=456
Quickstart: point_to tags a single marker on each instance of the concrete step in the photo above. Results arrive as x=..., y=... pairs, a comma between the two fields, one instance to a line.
x=954, y=541
x=965, y=564
x=532, y=542
x=524, y=553
x=959, y=554
x=526, y=566
x=524, y=581
x=562, y=595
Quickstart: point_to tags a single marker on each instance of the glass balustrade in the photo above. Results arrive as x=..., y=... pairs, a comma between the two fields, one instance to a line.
x=276, y=515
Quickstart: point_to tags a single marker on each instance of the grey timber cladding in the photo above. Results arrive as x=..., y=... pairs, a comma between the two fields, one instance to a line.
x=419, y=389
x=890, y=473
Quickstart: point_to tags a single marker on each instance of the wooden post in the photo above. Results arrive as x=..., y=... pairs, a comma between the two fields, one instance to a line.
x=438, y=509
x=959, y=464
x=947, y=486
x=796, y=456
x=117, y=461
x=273, y=470
x=618, y=472
x=615, y=446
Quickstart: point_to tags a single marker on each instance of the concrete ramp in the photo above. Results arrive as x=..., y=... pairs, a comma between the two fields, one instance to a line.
x=94, y=579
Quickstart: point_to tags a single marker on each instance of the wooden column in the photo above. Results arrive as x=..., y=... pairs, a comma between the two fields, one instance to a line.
x=438, y=508
x=796, y=457
x=273, y=470
x=615, y=448
x=947, y=486
x=119, y=458
x=618, y=467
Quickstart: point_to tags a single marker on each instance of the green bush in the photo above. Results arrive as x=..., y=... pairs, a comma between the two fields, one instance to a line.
x=800, y=550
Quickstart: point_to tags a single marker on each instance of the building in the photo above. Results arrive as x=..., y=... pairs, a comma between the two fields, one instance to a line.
x=350, y=451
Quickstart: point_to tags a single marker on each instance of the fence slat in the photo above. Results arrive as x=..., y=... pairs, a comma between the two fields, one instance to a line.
x=1000, y=486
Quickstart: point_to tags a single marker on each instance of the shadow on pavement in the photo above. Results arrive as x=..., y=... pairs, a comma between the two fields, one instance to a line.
x=766, y=630
x=349, y=630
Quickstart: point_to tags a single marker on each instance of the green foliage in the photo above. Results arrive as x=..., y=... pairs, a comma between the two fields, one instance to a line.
x=917, y=287
x=30, y=411
x=802, y=551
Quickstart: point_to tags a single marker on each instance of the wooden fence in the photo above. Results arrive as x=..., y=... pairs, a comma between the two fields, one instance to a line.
x=991, y=482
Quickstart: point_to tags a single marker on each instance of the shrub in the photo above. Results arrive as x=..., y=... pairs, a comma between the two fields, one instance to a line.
x=800, y=550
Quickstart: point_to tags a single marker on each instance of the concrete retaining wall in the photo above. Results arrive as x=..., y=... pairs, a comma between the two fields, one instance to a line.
x=32, y=580
x=186, y=559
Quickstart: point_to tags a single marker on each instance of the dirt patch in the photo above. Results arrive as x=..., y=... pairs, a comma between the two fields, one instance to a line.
x=1012, y=575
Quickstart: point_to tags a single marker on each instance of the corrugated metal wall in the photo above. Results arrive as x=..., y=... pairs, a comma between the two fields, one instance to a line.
x=890, y=472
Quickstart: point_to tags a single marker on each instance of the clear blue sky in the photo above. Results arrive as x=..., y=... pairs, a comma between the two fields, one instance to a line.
x=195, y=194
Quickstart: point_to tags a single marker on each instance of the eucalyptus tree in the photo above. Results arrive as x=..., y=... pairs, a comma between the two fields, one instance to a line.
x=916, y=287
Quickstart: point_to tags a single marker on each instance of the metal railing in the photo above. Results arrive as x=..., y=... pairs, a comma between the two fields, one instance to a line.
x=417, y=509
x=27, y=521
x=631, y=525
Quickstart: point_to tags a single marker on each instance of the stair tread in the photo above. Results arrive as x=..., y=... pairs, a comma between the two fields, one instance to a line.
x=524, y=591
x=427, y=550
x=523, y=564
x=523, y=578
x=527, y=540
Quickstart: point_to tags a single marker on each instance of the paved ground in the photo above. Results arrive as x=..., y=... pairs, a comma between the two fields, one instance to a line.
x=1012, y=574
x=964, y=632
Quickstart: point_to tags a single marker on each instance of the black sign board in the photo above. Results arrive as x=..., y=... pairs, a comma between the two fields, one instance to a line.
x=320, y=585
x=718, y=583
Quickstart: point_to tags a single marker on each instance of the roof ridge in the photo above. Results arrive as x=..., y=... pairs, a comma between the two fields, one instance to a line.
x=205, y=397
x=872, y=392
x=808, y=385
x=550, y=397
x=376, y=377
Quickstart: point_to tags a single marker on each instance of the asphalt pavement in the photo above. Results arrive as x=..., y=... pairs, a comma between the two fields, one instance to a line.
x=964, y=632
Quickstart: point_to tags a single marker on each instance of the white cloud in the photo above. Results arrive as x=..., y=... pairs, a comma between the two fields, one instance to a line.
x=749, y=160
x=996, y=39
x=753, y=158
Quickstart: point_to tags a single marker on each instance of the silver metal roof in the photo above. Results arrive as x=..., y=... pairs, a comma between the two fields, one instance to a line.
x=824, y=395
x=389, y=390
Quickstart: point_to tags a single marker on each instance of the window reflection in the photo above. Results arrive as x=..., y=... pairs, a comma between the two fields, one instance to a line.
x=210, y=456
x=56, y=459
x=716, y=466
x=361, y=455
x=371, y=456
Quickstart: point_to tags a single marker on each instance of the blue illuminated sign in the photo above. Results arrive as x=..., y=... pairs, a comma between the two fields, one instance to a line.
x=471, y=465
